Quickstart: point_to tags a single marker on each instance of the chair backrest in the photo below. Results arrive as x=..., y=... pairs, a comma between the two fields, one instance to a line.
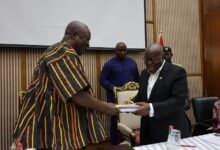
x=125, y=93
x=203, y=108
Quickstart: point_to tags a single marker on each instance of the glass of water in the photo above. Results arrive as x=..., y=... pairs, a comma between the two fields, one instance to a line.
x=176, y=136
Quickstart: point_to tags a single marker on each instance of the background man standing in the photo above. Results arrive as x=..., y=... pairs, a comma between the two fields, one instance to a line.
x=115, y=73
x=168, y=54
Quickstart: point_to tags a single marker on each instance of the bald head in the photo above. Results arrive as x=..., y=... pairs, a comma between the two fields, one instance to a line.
x=153, y=57
x=155, y=47
x=120, y=44
x=75, y=26
x=121, y=50
x=77, y=34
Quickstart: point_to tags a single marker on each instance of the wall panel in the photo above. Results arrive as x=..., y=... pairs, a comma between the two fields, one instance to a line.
x=179, y=22
x=195, y=88
x=32, y=58
x=9, y=87
x=90, y=66
x=210, y=21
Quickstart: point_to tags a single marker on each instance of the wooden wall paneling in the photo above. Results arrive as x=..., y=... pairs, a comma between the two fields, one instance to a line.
x=195, y=88
x=150, y=34
x=210, y=28
x=9, y=87
x=98, y=71
x=200, y=5
x=32, y=58
x=154, y=21
x=23, y=80
x=89, y=62
x=23, y=76
x=149, y=11
x=179, y=21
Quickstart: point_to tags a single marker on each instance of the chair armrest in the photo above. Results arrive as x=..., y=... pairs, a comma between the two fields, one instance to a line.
x=128, y=133
x=125, y=130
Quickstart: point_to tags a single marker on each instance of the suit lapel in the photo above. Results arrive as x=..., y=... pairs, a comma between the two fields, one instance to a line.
x=145, y=83
x=160, y=79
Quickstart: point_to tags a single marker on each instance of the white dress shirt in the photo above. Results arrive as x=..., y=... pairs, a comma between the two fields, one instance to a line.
x=151, y=81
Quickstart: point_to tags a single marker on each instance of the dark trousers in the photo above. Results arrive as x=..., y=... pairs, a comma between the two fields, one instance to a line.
x=113, y=130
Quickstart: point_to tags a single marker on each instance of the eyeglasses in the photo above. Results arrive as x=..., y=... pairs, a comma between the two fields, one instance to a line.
x=152, y=59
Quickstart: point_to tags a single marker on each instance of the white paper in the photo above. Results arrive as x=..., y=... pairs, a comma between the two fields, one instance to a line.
x=211, y=138
x=128, y=108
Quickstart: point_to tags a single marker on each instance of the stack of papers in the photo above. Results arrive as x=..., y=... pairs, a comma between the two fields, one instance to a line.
x=128, y=107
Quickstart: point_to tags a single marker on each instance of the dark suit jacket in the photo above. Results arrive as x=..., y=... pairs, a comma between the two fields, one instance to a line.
x=168, y=98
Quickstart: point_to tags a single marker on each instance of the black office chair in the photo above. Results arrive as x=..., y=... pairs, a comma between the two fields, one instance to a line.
x=203, y=113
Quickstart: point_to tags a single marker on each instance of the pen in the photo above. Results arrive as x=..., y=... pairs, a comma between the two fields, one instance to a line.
x=132, y=102
x=186, y=145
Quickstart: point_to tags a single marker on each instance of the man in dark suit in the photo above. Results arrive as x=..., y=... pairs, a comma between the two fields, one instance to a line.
x=162, y=94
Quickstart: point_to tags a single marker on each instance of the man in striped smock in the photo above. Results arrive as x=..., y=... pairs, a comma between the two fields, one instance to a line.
x=59, y=108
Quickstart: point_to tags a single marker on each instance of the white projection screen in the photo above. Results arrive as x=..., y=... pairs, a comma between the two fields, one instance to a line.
x=42, y=22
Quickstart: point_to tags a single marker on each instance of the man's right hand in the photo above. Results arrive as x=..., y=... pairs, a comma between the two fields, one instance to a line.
x=111, y=110
x=85, y=99
x=143, y=110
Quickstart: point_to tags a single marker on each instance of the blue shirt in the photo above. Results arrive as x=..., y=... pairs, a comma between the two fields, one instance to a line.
x=116, y=72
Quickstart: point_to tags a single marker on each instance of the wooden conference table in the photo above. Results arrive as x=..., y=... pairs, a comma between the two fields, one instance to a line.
x=202, y=142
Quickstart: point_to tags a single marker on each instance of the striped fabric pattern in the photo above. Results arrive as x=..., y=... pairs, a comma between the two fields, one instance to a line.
x=48, y=118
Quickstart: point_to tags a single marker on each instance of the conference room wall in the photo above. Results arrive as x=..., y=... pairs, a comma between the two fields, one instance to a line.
x=179, y=21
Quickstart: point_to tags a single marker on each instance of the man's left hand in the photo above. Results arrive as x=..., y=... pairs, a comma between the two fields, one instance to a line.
x=143, y=110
